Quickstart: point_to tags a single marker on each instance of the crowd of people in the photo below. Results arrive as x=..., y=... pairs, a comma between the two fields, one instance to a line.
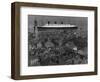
x=62, y=47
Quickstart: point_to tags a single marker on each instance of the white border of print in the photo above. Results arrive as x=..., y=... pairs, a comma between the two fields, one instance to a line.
x=38, y=70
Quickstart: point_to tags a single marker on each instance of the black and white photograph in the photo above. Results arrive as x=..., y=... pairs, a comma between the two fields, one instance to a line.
x=57, y=40
x=53, y=40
